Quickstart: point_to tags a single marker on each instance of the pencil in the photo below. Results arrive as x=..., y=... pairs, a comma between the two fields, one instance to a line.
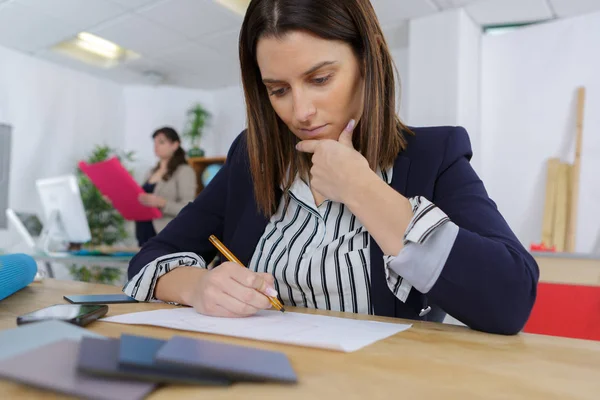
x=231, y=257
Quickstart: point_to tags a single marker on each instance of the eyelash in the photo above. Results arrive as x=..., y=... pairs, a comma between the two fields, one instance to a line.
x=322, y=80
x=277, y=93
x=317, y=81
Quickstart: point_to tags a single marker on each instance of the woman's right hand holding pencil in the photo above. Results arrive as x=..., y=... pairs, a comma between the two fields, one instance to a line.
x=230, y=290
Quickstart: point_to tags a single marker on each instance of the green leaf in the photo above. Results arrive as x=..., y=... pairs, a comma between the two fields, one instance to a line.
x=198, y=117
x=107, y=226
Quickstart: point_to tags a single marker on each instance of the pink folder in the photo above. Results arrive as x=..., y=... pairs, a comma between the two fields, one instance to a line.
x=115, y=182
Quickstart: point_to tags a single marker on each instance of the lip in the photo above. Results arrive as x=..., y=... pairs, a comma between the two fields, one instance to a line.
x=314, y=131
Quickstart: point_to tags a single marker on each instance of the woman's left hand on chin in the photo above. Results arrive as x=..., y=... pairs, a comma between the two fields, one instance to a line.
x=337, y=168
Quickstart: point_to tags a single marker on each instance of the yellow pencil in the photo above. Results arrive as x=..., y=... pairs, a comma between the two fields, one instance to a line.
x=229, y=255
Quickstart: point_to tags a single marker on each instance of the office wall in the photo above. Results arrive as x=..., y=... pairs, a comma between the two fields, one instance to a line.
x=443, y=81
x=57, y=115
x=529, y=82
x=229, y=118
x=400, y=57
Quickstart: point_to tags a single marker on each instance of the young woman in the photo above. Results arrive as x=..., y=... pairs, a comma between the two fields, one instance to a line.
x=330, y=201
x=170, y=185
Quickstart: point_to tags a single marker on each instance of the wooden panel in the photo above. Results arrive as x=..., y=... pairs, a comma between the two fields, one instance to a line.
x=561, y=206
x=575, y=172
x=550, y=202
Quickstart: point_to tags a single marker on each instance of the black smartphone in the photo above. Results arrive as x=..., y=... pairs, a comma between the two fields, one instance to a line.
x=73, y=313
x=100, y=299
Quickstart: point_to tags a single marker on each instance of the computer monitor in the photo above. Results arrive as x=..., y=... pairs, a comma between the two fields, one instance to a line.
x=63, y=209
x=28, y=226
x=5, y=146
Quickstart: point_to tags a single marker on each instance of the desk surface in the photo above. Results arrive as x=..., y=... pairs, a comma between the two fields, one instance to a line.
x=428, y=361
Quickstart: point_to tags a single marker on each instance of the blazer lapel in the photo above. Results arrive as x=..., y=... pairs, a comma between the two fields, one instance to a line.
x=249, y=230
x=384, y=301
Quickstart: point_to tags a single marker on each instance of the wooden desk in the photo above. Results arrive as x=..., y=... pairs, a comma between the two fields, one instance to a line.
x=567, y=268
x=429, y=361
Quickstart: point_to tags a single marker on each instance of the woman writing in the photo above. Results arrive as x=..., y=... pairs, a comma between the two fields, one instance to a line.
x=330, y=201
x=169, y=186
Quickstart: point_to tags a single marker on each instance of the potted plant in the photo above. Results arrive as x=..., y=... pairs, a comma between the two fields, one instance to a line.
x=198, y=117
x=107, y=226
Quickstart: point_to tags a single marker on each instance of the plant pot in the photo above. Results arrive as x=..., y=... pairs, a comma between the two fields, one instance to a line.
x=195, y=152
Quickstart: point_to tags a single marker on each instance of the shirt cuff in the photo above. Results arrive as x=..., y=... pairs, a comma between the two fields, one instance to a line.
x=428, y=241
x=427, y=217
x=141, y=286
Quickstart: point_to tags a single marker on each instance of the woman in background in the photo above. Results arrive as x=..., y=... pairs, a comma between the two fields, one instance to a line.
x=169, y=186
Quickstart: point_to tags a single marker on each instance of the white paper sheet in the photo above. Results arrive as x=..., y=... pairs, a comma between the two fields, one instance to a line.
x=308, y=330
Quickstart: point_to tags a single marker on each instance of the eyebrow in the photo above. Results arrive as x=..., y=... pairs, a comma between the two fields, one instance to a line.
x=308, y=72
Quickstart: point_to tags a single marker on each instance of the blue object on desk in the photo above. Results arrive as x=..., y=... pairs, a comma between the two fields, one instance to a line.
x=92, y=253
x=16, y=272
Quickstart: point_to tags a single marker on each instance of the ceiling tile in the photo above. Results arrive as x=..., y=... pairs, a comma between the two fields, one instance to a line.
x=192, y=18
x=226, y=43
x=149, y=65
x=192, y=57
x=132, y=4
x=567, y=8
x=208, y=81
x=138, y=34
x=450, y=4
x=392, y=12
x=188, y=80
x=26, y=29
x=494, y=12
x=80, y=14
x=117, y=74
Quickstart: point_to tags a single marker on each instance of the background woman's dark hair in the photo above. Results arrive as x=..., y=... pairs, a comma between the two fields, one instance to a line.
x=178, y=157
x=271, y=146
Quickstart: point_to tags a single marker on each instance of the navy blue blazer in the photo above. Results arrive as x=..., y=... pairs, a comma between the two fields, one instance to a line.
x=488, y=282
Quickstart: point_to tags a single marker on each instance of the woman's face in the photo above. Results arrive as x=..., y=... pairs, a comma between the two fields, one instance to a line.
x=163, y=147
x=315, y=85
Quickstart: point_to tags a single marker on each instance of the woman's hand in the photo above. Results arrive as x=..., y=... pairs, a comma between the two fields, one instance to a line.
x=337, y=168
x=231, y=290
x=152, y=200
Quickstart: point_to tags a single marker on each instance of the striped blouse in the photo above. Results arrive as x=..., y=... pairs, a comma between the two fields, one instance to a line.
x=319, y=255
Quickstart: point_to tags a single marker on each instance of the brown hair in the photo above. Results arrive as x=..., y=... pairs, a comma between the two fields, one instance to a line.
x=177, y=159
x=271, y=146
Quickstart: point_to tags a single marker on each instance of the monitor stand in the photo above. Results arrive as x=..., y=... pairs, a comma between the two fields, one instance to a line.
x=53, y=233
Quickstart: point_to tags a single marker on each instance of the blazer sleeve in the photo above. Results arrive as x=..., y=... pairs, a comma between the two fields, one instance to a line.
x=186, y=184
x=190, y=229
x=489, y=280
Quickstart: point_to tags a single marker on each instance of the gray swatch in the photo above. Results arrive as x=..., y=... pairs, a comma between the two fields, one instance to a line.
x=53, y=367
x=238, y=363
x=30, y=336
